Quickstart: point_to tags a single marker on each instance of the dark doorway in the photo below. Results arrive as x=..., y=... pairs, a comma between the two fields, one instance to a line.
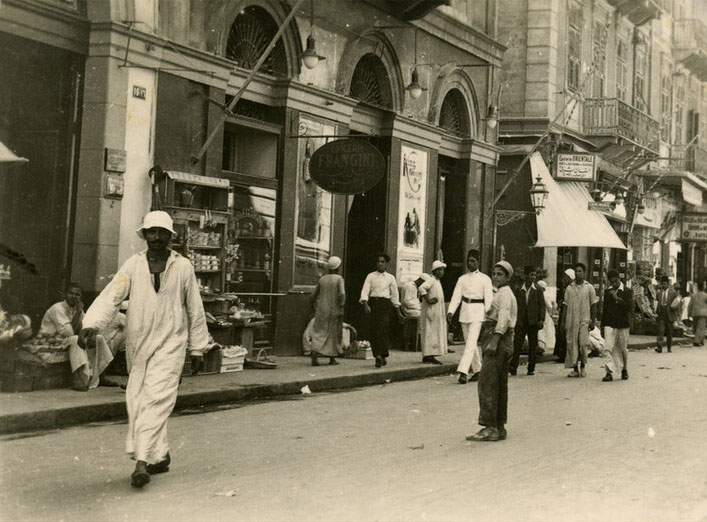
x=365, y=237
x=39, y=116
x=453, y=230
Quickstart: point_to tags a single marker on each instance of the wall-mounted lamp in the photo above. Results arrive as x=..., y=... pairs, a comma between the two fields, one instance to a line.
x=415, y=89
x=310, y=58
x=538, y=195
x=492, y=117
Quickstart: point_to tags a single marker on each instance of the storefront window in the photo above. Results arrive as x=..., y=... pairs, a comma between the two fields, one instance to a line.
x=249, y=249
x=313, y=213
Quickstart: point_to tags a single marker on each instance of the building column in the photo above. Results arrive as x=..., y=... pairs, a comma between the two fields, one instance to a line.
x=97, y=231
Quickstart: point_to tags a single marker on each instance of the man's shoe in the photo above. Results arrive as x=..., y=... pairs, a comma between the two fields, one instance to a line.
x=315, y=361
x=333, y=362
x=161, y=467
x=582, y=372
x=502, y=434
x=659, y=349
x=573, y=373
x=462, y=378
x=449, y=350
x=512, y=371
x=487, y=434
x=608, y=378
x=379, y=362
x=475, y=377
x=434, y=360
x=669, y=350
x=624, y=374
x=385, y=361
x=531, y=372
x=139, y=478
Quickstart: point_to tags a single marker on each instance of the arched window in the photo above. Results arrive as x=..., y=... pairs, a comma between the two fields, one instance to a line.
x=370, y=82
x=454, y=115
x=250, y=34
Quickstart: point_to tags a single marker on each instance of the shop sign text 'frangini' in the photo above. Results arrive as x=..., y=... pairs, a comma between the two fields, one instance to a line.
x=347, y=166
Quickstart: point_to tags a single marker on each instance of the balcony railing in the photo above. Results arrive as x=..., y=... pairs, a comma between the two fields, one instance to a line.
x=612, y=117
x=690, y=46
x=638, y=11
x=691, y=158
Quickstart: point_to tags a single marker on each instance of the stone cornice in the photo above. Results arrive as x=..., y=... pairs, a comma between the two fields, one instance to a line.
x=45, y=23
x=462, y=36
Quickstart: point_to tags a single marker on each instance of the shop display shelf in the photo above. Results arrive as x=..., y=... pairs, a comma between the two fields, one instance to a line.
x=206, y=271
x=204, y=247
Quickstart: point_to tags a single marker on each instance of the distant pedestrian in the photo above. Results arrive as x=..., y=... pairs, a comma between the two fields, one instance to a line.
x=580, y=315
x=433, y=324
x=697, y=311
x=474, y=292
x=165, y=321
x=560, y=350
x=615, y=319
x=666, y=310
x=380, y=299
x=546, y=336
x=409, y=312
x=531, y=319
x=497, y=346
x=328, y=300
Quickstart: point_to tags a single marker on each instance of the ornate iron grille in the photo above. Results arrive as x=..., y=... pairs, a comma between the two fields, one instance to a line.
x=453, y=115
x=250, y=34
x=369, y=82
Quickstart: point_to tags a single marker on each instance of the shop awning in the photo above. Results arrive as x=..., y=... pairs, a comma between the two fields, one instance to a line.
x=7, y=156
x=566, y=220
x=195, y=179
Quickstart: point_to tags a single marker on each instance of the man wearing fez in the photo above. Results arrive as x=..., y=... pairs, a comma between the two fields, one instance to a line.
x=617, y=307
x=474, y=292
x=531, y=317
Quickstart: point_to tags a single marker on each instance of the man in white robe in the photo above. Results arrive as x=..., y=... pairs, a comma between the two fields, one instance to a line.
x=433, y=322
x=165, y=319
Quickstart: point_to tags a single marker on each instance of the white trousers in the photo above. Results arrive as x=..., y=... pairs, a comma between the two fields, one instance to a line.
x=615, y=353
x=472, y=355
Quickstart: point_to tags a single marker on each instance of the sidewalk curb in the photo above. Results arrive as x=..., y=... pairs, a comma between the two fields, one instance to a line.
x=62, y=417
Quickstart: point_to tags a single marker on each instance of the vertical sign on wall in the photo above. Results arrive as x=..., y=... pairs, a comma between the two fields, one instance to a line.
x=412, y=211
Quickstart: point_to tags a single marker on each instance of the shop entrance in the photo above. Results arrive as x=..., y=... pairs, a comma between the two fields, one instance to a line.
x=451, y=231
x=365, y=236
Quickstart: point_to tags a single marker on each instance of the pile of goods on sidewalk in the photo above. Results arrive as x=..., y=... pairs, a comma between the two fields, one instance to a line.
x=41, y=363
x=353, y=348
x=232, y=358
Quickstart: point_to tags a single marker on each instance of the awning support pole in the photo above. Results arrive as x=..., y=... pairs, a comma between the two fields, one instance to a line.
x=251, y=75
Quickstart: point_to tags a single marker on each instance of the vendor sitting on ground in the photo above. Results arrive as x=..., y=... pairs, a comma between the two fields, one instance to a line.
x=65, y=318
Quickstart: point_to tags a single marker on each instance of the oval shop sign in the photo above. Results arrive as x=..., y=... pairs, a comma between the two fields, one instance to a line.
x=347, y=166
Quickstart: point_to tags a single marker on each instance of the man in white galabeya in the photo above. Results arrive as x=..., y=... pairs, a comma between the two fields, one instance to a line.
x=474, y=292
x=165, y=319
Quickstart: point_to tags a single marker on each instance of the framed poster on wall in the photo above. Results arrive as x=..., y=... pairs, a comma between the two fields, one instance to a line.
x=412, y=210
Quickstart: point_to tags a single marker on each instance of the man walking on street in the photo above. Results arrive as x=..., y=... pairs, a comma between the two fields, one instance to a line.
x=531, y=318
x=380, y=300
x=665, y=312
x=433, y=326
x=697, y=311
x=474, y=292
x=580, y=315
x=165, y=320
x=618, y=304
x=497, y=342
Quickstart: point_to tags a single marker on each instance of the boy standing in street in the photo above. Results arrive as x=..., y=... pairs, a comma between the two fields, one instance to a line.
x=618, y=304
x=580, y=315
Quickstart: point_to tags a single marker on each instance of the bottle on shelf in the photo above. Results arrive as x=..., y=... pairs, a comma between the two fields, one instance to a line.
x=266, y=261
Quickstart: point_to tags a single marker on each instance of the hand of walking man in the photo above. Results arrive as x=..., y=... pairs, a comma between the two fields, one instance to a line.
x=197, y=364
x=366, y=308
x=449, y=318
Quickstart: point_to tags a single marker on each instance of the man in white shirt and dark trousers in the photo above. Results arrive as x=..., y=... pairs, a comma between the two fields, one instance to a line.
x=380, y=299
x=474, y=292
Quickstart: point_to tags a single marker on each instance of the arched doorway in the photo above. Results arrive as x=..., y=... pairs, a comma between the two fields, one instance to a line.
x=366, y=219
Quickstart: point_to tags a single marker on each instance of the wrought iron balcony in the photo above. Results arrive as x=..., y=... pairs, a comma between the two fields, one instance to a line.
x=638, y=11
x=690, y=46
x=612, y=117
x=691, y=158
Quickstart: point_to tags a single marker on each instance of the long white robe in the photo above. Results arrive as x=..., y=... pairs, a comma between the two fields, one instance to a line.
x=433, y=320
x=161, y=327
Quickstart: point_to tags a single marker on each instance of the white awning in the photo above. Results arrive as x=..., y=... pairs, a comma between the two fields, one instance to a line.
x=7, y=156
x=566, y=220
x=195, y=179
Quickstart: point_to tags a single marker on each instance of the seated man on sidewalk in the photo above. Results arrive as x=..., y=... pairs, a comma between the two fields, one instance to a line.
x=65, y=318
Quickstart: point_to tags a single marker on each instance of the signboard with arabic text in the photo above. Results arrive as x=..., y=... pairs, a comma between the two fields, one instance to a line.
x=693, y=227
x=575, y=166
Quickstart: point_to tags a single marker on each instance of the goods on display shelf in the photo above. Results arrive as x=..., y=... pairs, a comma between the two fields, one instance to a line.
x=47, y=349
x=358, y=350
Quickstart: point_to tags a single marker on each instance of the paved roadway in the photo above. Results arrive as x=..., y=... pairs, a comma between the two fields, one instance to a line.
x=577, y=450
